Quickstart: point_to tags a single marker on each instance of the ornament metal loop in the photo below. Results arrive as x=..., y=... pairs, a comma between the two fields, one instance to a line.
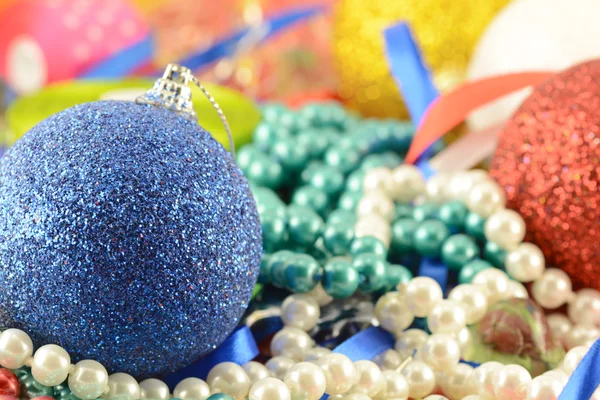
x=172, y=92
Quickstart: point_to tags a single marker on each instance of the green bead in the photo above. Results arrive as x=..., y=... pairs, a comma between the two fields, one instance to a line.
x=392, y=159
x=371, y=268
x=33, y=387
x=302, y=273
x=368, y=244
x=304, y=225
x=374, y=161
x=396, y=274
x=273, y=230
x=475, y=226
x=265, y=135
x=495, y=254
x=354, y=183
x=264, y=275
x=326, y=178
x=403, y=210
x=292, y=155
x=315, y=142
x=340, y=279
x=312, y=197
x=220, y=396
x=453, y=214
x=425, y=211
x=264, y=171
x=62, y=392
x=272, y=112
x=403, y=232
x=277, y=264
x=337, y=237
x=267, y=200
x=246, y=155
x=349, y=200
x=429, y=237
x=468, y=272
x=459, y=250
x=340, y=215
x=345, y=160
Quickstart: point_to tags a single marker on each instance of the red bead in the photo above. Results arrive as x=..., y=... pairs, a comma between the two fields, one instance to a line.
x=9, y=384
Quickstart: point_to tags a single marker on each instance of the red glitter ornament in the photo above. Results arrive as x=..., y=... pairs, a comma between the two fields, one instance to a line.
x=9, y=383
x=548, y=161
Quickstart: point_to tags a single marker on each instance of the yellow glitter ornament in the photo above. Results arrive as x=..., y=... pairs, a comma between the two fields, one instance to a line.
x=446, y=30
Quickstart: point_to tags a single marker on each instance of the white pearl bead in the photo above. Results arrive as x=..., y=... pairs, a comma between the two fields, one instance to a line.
x=420, y=378
x=396, y=386
x=495, y=284
x=579, y=335
x=392, y=313
x=351, y=396
x=320, y=295
x=278, y=366
x=422, y=293
x=154, y=389
x=482, y=378
x=435, y=188
x=511, y=382
x=447, y=316
x=465, y=342
x=374, y=225
x=305, y=381
x=340, y=373
x=553, y=289
x=585, y=308
x=485, y=198
x=506, y=228
x=315, y=353
x=435, y=397
x=229, y=378
x=291, y=342
x=370, y=380
x=474, y=397
x=192, y=389
x=15, y=348
x=517, y=290
x=376, y=179
x=473, y=299
x=573, y=358
x=375, y=202
x=440, y=352
x=51, y=364
x=300, y=311
x=456, y=385
x=559, y=325
x=409, y=342
x=124, y=387
x=526, y=263
x=544, y=388
x=255, y=371
x=460, y=185
x=88, y=380
x=269, y=389
x=389, y=359
x=406, y=184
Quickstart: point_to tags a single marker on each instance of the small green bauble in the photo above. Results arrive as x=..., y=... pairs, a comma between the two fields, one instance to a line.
x=458, y=250
x=301, y=273
x=340, y=279
x=475, y=226
x=429, y=237
x=425, y=211
x=468, y=272
x=313, y=198
x=453, y=214
x=371, y=268
x=338, y=237
x=403, y=232
x=494, y=254
x=368, y=244
x=304, y=225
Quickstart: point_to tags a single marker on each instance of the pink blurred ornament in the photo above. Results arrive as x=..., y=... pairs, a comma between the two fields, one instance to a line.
x=43, y=398
x=44, y=41
x=9, y=384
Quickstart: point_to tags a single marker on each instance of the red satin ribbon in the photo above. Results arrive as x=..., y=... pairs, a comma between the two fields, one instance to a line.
x=450, y=109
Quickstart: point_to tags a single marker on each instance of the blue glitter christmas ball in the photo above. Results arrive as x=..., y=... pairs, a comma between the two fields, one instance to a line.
x=128, y=235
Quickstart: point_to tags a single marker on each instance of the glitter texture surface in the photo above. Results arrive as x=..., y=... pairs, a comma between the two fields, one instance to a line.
x=446, y=30
x=127, y=235
x=548, y=161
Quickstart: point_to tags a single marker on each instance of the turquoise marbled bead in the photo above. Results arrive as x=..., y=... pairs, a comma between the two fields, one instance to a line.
x=368, y=244
x=341, y=215
x=340, y=279
x=403, y=233
x=315, y=141
x=349, y=200
x=312, y=197
x=475, y=226
x=453, y=214
x=371, y=268
x=468, y=272
x=273, y=230
x=304, y=225
x=424, y=211
x=220, y=396
x=396, y=274
x=337, y=237
x=495, y=254
x=346, y=160
x=291, y=154
x=458, y=250
x=277, y=264
x=302, y=273
x=429, y=237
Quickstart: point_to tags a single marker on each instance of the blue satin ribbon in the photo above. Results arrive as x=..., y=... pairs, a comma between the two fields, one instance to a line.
x=436, y=270
x=239, y=348
x=124, y=62
x=585, y=378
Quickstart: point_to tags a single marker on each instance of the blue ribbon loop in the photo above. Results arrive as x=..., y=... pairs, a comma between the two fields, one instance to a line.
x=586, y=377
x=366, y=344
x=436, y=270
x=239, y=348
x=124, y=62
